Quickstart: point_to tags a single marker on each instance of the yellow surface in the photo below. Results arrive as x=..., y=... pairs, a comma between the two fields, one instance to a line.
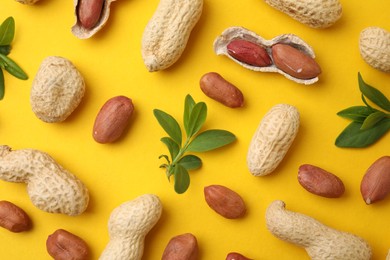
x=111, y=64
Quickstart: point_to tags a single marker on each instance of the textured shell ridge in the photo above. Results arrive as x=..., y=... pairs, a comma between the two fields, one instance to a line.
x=307, y=232
x=135, y=215
x=272, y=139
x=57, y=89
x=314, y=13
x=374, y=45
x=128, y=225
x=167, y=33
x=51, y=187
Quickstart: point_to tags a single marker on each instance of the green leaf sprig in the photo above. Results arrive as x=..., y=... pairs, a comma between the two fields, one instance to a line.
x=7, y=32
x=178, y=162
x=368, y=123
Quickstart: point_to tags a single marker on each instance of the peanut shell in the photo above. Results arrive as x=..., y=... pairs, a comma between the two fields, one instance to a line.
x=57, y=89
x=374, y=46
x=314, y=13
x=84, y=33
x=50, y=187
x=319, y=240
x=241, y=33
x=272, y=139
x=167, y=32
x=27, y=2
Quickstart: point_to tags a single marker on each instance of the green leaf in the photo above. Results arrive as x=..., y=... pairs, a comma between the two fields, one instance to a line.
x=373, y=94
x=190, y=162
x=182, y=179
x=210, y=140
x=356, y=113
x=373, y=119
x=13, y=68
x=172, y=146
x=353, y=136
x=2, y=88
x=6, y=49
x=197, y=118
x=7, y=31
x=165, y=157
x=189, y=103
x=169, y=124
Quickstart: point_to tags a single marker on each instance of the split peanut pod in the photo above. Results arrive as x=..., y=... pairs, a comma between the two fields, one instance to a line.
x=51, y=187
x=320, y=241
x=314, y=13
x=166, y=34
x=91, y=16
x=286, y=54
x=128, y=225
x=272, y=139
x=374, y=45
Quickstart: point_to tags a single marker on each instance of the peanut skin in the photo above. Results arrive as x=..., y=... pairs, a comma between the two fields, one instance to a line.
x=294, y=62
x=63, y=245
x=236, y=256
x=89, y=12
x=225, y=201
x=375, y=184
x=320, y=182
x=249, y=53
x=181, y=247
x=219, y=89
x=13, y=218
x=112, y=119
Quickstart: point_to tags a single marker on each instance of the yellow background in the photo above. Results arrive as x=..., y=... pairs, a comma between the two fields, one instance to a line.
x=111, y=64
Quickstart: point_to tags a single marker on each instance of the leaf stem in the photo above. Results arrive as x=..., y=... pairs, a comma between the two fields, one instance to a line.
x=181, y=152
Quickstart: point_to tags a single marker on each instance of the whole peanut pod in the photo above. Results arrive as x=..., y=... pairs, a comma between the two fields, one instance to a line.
x=272, y=139
x=320, y=241
x=166, y=34
x=314, y=13
x=128, y=225
x=57, y=89
x=374, y=46
x=51, y=187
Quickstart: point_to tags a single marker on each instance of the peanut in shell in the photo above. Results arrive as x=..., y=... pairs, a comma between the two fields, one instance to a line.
x=223, y=46
x=314, y=13
x=374, y=46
